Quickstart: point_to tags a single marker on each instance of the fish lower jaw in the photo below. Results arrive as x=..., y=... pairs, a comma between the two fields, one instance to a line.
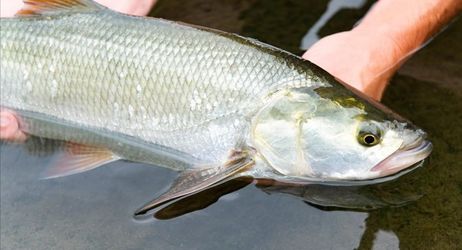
x=403, y=159
x=350, y=175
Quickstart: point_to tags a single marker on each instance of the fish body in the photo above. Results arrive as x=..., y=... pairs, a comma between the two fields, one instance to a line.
x=212, y=104
x=159, y=82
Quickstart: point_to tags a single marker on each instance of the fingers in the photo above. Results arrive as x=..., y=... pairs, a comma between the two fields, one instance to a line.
x=137, y=8
x=9, y=7
x=9, y=127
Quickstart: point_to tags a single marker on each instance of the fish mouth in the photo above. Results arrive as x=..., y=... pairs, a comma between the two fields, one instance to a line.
x=404, y=158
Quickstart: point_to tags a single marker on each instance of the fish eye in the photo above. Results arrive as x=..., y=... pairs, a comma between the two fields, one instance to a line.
x=369, y=140
x=369, y=134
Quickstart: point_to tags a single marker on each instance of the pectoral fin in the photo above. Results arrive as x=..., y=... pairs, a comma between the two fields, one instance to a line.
x=78, y=158
x=195, y=180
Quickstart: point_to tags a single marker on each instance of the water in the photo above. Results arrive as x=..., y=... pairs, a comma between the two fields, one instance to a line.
x=94, y=209
x=333, y=7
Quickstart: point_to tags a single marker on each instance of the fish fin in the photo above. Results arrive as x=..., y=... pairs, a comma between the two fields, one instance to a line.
x=192, y=181
x=201, y=199
x=78, y=158
x=51, y=7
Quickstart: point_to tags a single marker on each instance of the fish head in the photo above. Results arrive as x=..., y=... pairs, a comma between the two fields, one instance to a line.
x=331, y=134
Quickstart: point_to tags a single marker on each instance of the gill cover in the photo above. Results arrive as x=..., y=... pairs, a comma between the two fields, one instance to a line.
x=277, y=131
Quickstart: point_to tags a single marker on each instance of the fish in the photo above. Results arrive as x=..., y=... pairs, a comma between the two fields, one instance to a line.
x=212, y=105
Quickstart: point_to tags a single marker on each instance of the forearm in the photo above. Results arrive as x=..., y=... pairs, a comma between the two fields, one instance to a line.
x=407, y=24
x=367, y=56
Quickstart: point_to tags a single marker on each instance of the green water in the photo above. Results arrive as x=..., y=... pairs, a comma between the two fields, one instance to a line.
x=94, y=209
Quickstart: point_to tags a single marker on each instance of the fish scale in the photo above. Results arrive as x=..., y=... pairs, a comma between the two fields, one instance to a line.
x=155, y=80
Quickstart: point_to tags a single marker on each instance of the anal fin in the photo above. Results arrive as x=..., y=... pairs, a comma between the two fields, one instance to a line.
x=78, y=158
x=192, y=181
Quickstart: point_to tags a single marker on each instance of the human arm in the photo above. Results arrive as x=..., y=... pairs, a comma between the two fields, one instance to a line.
x=367, y=56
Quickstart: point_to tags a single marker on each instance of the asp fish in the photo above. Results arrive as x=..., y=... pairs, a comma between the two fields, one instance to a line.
x=207, y=103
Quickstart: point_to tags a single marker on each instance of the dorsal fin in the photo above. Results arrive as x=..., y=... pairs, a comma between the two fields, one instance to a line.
x=51, y=7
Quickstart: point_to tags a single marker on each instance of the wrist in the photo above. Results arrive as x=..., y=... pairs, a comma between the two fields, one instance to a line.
x=410, y=26
x=383, y=55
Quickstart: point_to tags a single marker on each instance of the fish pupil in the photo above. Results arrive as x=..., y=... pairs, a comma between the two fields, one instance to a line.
x=369, y=139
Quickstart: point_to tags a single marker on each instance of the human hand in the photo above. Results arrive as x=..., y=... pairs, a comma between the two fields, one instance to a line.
x=137, y=8
x=357, y=60
x=9, y=122
x=9, y=127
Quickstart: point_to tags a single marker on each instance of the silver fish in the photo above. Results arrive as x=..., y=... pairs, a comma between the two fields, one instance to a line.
x=211, y=104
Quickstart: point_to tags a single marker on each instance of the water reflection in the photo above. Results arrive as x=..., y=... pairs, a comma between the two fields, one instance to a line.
x=349, y=198
x=93, y=210
x=327, y=198
x=200, y=200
